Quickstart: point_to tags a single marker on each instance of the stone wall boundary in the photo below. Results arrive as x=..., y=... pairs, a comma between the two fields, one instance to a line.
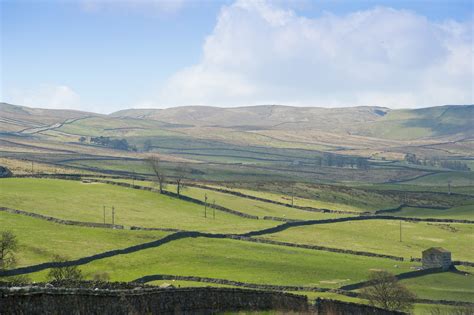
x=205, y=300
x=174, y=195
x=62, y=221
x=239, y=194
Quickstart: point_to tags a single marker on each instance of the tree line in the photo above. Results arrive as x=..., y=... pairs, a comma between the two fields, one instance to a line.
x=118, y=144
x=336, y=160
x=436, y=162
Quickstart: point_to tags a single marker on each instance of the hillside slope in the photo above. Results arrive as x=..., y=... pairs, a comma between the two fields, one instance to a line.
x=378, y=122
x=258, y=117
x=450, y=121
x=14, y=118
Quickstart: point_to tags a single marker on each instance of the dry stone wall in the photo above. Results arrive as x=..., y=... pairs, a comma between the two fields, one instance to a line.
x=154, y=301
x=61, y=221
x=168, y=301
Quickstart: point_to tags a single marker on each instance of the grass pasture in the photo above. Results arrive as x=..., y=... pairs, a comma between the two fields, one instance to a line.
x=253, y=207
x=444, y=286
x=442, y=179
x=74, y=200
x=383, y=237
x=298, y=201
x=40, y=240
x=242, y=261
x=242, y=204
x=225, y=258
x=462, y=212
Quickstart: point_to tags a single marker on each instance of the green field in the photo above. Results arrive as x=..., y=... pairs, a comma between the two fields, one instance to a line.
x=463, y=212
x=383, y=237
x=41, y=240
x=253, y=207
x=442, y=179
x=79, y=201
x=230, y=259
x=242, y=261
x=300, y=201
x=443, y=286
x=241, y=204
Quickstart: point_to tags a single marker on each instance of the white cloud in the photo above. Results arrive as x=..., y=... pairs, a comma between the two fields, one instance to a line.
x=45, y=96
x=259, y=53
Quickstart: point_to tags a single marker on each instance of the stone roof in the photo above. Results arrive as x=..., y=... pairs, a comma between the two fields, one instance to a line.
x=436, y=250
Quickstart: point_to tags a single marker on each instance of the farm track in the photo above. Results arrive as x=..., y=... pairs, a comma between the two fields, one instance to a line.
x=57, y=125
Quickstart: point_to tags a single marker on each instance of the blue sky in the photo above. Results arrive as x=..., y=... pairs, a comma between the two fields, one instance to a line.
x=104, y=55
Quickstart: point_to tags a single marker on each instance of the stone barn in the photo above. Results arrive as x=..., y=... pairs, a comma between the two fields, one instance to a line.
x=436, y=257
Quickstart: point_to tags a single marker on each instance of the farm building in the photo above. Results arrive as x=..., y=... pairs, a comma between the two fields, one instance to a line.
x=436, y=257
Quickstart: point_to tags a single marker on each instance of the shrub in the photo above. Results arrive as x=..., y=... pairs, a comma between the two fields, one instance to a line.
x=64, y=273
x=8, y=247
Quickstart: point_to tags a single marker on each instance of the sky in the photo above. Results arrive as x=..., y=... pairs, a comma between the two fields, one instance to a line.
x=108, y=55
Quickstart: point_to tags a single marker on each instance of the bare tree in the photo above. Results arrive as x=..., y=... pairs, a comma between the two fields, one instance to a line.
x=158, y=171
x=8, y=247
x=179, y=179
x=64, y=273
x=384, y=290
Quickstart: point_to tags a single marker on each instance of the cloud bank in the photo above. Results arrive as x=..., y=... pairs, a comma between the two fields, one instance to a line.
x=259, y=53
x=46, y=96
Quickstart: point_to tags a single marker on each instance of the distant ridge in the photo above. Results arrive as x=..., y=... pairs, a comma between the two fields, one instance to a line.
x=368, y=121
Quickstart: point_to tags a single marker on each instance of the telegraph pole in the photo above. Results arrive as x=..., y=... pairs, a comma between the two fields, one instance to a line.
x=292, y=195
x=214, y=209
x=205, y=205
x=104, y=214
x=449, y=187
x=113, y=217
x=400, y=231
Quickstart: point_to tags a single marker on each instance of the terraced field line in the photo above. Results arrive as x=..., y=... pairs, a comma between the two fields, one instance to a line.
x=181, y=235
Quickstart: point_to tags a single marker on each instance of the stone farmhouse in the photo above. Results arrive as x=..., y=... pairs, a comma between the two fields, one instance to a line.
x=436, y=257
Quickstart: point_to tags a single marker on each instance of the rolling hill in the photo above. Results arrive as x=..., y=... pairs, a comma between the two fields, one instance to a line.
x=372, y=121
x=367, y=121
